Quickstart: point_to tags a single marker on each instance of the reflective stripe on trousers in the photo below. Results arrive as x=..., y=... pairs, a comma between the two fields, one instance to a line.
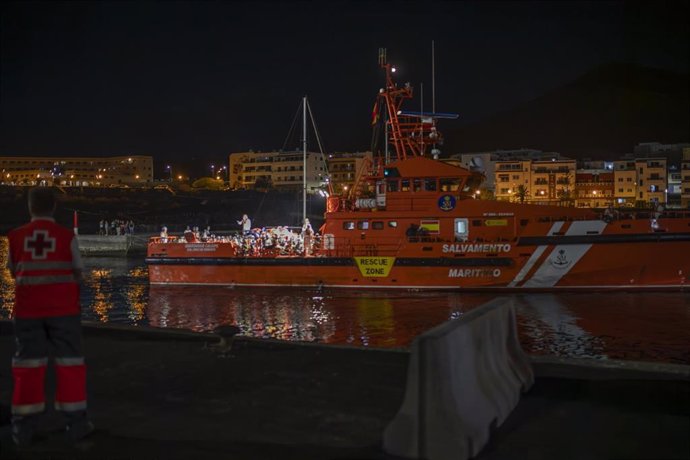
x=28, y=396
x=71, y=384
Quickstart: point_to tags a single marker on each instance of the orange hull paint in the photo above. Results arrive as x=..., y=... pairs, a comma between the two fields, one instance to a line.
x=631, y=262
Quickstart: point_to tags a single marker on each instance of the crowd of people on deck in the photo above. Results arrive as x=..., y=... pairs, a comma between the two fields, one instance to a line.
x=255, y=242
x=115, y=227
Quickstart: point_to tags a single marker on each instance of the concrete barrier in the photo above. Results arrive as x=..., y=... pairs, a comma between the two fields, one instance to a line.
x=464, y=377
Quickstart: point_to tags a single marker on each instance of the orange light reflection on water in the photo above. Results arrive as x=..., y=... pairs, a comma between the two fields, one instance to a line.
x=6, y=280
x=338, y=316
x=99, y=280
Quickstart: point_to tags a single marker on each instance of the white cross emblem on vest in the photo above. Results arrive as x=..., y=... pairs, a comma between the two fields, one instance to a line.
x=39, y=244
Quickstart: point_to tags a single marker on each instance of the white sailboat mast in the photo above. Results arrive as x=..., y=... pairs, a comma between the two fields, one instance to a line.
x=304, y=158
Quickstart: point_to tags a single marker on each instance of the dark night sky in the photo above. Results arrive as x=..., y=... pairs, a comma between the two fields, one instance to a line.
x=201, y=80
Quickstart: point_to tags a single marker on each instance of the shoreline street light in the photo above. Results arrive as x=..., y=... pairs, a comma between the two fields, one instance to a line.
x=170, y=174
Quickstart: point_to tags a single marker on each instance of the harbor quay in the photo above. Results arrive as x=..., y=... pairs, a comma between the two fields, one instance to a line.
x=169, y=394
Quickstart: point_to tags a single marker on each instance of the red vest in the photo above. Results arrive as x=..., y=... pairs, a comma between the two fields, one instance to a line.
x=41, y=254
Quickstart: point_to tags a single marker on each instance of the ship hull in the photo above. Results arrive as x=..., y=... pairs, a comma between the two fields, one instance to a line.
x=660, y=265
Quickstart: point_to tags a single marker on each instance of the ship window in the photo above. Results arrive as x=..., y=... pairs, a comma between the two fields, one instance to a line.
x=405, y=185
x=430, y=185
x=461, y=230
x=348, y=225
x=393, y=185
x=449, y=185
x=377, y=225
x=393, y=224
x=363, y=225
x=417, y=185
x=476, y=223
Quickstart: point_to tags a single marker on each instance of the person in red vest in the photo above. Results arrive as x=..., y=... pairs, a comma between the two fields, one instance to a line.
x=44, y=260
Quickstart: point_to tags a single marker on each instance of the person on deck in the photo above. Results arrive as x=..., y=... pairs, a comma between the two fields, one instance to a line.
x=246, y=224
x=45, y=263
x=307, y=235
x=164, y=234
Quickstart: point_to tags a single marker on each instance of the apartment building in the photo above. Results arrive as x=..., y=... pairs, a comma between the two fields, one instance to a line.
x=685, y=179
x=485, y=162
x=625, y=183
x=536, y=181
x=512, y=180
x=284, y=169
x=135, y=170
x=595, y=188
x=651, y=180
x=280, y=170
x=344, y=168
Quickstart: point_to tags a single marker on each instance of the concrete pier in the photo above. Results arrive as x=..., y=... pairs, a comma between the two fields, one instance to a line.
x=157, y=393
x=113, y=245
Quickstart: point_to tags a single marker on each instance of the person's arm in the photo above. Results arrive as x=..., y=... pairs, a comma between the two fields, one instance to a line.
x=77, y=264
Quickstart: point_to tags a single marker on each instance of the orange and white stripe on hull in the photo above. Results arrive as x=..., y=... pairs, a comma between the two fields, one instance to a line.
x=564, y=257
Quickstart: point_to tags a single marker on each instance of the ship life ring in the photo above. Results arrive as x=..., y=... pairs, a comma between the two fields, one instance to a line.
x=332, y=204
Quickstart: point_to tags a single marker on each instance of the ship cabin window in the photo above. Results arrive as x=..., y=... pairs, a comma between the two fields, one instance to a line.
x=461, y=230
x=349, y=225
x=450, y=185
x=417, y=185
x=363, y=225
x=393, y=185
x=430, y=185
x=381, y=188
x=393, y=224
x=377, y=225
x=405, y=185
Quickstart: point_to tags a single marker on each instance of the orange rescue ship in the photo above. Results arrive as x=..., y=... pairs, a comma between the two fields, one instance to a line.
x=414, y=222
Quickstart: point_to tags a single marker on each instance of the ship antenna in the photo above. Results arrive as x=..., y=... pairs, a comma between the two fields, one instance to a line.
x=433, y=79
x=421, y=111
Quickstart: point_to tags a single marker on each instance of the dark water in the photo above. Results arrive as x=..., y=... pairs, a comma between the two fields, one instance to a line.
x=636, y=326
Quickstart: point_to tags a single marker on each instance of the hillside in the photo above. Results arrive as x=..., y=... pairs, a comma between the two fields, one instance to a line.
x=605, y=112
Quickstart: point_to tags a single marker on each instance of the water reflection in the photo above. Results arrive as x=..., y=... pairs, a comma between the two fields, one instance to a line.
x=366, y=319
x=550, y=327
x=6, y=281
x=639, y=326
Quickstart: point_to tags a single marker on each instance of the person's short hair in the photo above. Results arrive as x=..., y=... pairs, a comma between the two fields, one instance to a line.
x=42, y=201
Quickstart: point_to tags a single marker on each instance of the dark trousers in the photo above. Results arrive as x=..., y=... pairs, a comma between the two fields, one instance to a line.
x=35, y=340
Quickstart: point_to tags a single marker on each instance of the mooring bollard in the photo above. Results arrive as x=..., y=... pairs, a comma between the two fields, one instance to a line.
x=227, y=335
